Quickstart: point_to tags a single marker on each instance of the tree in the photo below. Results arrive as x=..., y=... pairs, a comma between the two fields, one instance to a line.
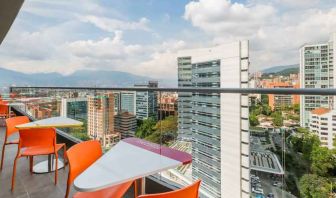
x=297, y=143
x=323, y=161
x=302, y=130
x=165, y=131
x=162, y=137
x=304, y=142
x=277, y=119
x=266, y=110
x=309, y=142
x=296, y=108
x=168, y=124
x=146, y=128
x=264, y=99
x=253, y=120
x=314, y=186
x=81, y=136
x=79, y=132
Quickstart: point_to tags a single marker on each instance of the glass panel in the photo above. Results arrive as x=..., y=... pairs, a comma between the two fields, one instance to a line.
x=252, y=143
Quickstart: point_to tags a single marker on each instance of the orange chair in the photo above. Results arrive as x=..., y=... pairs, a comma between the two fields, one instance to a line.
x=35, y=142
x=187, y=192
x=10, y=129
x=80, y=157
x=3, y=102
x=4, y=110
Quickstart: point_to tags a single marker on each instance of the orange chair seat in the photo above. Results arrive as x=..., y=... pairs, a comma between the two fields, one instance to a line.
x=40, y=150
x=117, y=191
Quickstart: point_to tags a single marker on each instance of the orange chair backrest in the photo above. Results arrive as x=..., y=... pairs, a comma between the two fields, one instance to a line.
x=14, y=121
x=187, y=192
x=4, y=109
x=81, y=156
x=37, y=137
x=3, y=102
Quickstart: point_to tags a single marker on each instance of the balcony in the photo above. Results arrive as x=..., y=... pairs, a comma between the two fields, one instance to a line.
x=42, y=185
x=259, y=154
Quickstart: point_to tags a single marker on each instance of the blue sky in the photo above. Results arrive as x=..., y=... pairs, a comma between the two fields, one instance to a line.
x=143, y=36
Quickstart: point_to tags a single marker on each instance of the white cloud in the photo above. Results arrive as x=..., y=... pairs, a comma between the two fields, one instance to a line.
x=163, y=60
x=64, y=41
x=111, y=25
x=157, y=60
x=298, y=3
x=275, y=33
x=109, y=48
x=218, y=16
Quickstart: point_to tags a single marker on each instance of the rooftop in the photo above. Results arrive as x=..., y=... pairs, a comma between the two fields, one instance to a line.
x=320, y=111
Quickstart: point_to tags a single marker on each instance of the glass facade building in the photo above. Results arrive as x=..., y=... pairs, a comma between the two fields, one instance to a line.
x=146, y=101
x=184, y=98
x=125, y=102
x=128, y=102
x=75, y=108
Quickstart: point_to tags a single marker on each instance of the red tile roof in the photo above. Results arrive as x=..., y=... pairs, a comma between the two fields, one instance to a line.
x=320, y=111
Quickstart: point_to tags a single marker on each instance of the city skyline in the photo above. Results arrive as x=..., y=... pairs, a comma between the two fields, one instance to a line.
x=68, y=36
x=252, y=112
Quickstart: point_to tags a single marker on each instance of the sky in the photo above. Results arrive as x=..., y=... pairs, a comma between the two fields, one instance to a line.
x=143, y=36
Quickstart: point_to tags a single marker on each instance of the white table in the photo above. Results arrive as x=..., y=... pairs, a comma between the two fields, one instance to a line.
x=130, y=159
x=54, y=122
x=15, y=104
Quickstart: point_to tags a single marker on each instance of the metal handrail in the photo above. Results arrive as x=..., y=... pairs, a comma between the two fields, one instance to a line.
x=284, y=91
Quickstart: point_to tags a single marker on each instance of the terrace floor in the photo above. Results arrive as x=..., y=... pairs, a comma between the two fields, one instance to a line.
x=31, y=185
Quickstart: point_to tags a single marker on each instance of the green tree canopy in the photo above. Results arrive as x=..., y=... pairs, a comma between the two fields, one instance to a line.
x=253, y=120
x=277, y=119
x=168, y=124
x=165, y=131
x=266, y=110
x=146, y=128
x=314, y=186
x=309, y=142
x=264, y=99
x=296, y=108
x=323, y=160
x=81, y=136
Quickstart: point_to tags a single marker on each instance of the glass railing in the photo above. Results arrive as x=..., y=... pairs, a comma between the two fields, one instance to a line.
x=241, y=143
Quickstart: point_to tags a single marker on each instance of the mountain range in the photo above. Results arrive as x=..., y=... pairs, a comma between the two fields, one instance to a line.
x=281, y=68
x=91, y=78
x=79, y=78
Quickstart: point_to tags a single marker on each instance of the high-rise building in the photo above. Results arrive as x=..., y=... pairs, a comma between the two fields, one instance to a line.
x=125, y=102
x=322, y=122
x=101, y=119
x=125, y=123
x=116, y=102
x=219, y=122
x=317, y=71
x=184, y=105
x=167, y=105
x=74, y=108
x=146, y=101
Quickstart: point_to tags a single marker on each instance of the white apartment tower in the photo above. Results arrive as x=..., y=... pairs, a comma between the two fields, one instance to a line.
x=219, y=122
x=317, y=68
x=322, y=122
